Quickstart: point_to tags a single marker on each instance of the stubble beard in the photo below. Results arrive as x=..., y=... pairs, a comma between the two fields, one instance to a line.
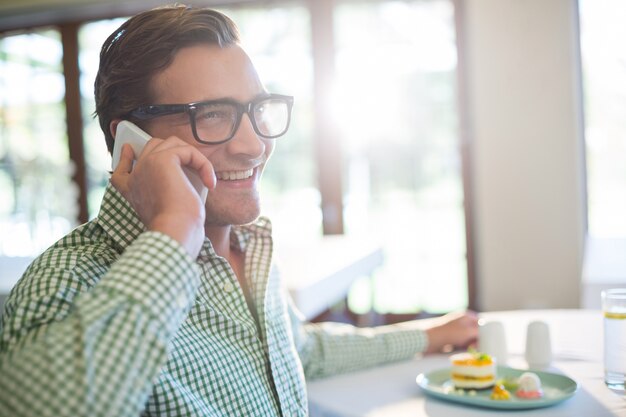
x=242, y=210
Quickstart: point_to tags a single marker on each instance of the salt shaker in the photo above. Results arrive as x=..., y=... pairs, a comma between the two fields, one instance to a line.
x=492, y=341
x=538, y=345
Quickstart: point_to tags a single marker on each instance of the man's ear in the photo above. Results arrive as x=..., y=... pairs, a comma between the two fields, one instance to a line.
x=113, y=126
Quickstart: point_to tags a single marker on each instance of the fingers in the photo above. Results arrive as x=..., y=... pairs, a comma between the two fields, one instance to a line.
x=461, y=329
x=188, y=155
x=199, y=163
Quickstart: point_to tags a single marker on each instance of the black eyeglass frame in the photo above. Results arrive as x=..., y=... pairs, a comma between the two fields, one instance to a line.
x=157, y=110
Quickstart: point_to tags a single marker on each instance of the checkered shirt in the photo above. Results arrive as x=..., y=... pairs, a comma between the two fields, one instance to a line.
x=114, y=320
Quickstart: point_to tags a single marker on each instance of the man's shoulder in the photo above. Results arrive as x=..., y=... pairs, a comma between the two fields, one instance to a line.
x=73, y=264
x=86, y=243
x=49, y=286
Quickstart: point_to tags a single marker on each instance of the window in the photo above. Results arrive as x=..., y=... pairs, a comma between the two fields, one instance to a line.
x=97, y=158
x=604, y=65
x=36, y=192
x=396, y=105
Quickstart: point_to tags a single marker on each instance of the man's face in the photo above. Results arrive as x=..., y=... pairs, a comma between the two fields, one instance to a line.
x=206, y=72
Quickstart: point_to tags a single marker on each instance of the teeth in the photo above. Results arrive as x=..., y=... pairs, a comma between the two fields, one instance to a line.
x=234, y=175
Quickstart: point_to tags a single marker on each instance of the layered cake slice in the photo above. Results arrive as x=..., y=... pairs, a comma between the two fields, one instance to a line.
x=473, y=370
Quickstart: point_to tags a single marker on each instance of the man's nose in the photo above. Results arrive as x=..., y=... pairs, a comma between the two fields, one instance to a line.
x=246, y=141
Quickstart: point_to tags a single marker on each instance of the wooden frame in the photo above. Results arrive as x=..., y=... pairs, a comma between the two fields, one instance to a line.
x=327, y=144
x=466, y=156
x=73, y=114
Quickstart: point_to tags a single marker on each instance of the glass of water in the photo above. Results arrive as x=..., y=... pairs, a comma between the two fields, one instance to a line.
x=614, y=309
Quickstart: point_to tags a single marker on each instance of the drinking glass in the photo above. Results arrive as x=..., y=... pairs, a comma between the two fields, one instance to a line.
x=614, y=310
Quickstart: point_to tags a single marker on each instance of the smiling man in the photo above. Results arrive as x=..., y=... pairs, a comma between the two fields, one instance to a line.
x=165, y=305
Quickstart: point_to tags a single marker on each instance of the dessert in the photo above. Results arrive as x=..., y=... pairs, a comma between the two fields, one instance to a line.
x=509, y=383
x=473, y=370
x=499, y=393
x=529, y=386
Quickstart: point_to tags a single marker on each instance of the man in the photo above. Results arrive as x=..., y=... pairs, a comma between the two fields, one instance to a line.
x=165, y=305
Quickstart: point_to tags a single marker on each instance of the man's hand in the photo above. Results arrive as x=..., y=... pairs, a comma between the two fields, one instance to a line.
x=161, y=194
x=455, y=329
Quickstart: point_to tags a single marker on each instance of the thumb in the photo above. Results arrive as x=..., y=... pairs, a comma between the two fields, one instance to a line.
x=126, y=159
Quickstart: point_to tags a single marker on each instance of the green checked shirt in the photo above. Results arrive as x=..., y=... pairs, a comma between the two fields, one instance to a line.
x=114, y=320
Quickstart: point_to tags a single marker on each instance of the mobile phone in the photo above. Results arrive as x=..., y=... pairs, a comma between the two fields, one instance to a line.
x=128, y=132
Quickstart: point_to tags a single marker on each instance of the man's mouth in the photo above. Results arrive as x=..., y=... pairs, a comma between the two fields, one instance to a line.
x=234, y=175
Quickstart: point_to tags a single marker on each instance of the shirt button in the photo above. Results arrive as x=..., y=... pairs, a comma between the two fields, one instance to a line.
x=228, y=286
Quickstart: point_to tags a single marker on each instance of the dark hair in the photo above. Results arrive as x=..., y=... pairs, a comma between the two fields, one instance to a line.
x=143, y=46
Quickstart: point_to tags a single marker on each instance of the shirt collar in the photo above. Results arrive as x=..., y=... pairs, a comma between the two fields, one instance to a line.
x=118, y=219
x=240, y=235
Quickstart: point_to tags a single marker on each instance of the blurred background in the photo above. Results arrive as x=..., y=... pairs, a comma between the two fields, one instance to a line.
x=480, y=143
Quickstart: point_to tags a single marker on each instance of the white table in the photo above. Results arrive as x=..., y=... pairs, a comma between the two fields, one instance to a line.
x=391, y=391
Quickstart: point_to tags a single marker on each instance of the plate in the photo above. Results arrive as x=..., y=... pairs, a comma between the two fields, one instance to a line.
x=556, y=388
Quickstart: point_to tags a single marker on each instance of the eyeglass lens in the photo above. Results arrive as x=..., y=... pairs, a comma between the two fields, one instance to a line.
x=216, y=122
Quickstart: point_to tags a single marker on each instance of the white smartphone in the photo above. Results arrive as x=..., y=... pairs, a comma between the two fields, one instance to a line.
x=128, y=132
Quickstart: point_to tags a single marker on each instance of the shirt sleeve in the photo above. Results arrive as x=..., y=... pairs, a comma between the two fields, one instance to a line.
x=331, y=348
x=95, y=354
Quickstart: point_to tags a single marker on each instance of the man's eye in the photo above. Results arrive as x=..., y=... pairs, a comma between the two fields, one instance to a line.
x=213, y=114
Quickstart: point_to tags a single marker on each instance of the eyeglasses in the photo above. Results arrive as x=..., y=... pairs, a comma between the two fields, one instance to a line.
x=214, y=122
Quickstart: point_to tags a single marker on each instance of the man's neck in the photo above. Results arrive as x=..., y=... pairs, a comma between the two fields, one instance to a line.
x=220, y=239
